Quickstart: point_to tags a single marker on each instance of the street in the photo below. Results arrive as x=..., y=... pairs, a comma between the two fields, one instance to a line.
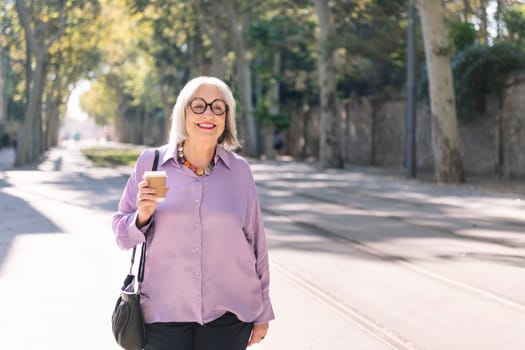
x=359, y=259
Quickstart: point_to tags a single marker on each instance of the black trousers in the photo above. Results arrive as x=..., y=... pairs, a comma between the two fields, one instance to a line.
x=225, y=333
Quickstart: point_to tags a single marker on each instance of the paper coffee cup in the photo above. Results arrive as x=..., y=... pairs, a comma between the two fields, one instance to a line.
x=157, y=180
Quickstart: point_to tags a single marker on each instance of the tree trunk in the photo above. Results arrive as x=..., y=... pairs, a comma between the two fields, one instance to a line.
x=307, y=114
x=483, y=28
x=445, y=134
x=467, y=10
x=3, y=89
x=52, y=117
x=198, y=66
x=218, y=67
x=244, y=80
x=138, y=120
x=330, y=148
x=30, y=144
x=273, y=92
x=216, y=31
x=500, y=9
x=165, y=97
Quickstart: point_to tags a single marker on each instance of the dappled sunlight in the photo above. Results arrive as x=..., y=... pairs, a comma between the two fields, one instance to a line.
x=278, y=193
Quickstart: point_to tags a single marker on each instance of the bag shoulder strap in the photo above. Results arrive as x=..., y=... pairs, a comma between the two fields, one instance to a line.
x=142, y=261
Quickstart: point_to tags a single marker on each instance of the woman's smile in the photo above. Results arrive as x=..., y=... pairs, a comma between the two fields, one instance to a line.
x=206, y=125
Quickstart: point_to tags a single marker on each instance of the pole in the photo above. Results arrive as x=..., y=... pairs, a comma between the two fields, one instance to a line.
x=410, y=125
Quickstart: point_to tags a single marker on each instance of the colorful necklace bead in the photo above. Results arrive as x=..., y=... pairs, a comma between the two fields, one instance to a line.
x=198, y=171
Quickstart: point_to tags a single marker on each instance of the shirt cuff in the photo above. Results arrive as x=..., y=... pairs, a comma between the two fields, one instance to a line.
x=134, y=231
x=267, y=315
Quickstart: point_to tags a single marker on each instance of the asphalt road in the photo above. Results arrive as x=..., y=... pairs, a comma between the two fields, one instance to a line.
x=359, y=260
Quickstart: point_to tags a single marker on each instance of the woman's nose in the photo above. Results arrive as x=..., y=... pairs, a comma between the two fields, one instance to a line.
x=208, y=111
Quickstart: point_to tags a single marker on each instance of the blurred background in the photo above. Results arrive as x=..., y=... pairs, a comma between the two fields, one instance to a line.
x=337, y=102
x=342, y=82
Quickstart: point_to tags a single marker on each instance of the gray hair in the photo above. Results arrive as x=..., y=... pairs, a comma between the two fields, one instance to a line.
x=178, y=134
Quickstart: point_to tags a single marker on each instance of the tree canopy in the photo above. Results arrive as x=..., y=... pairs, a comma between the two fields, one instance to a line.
x=138, y=54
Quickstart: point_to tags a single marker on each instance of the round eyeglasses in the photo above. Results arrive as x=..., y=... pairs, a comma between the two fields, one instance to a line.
x=218, y=106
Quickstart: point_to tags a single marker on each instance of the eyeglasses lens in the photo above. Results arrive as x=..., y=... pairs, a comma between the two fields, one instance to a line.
x=198, y=106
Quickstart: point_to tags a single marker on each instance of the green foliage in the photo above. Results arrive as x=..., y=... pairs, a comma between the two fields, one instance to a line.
x=109, y=157
x=461, y=34
x=12, y=50
x=281, y=121
x=514, y=19
x=99, y=103
x=5, y=140
x=286, y=30
x=136, y=49
x=480, y=70
x=128, y=78
x=372, y=40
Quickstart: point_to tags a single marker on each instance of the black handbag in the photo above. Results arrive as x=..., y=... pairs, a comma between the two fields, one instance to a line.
x=127, y=321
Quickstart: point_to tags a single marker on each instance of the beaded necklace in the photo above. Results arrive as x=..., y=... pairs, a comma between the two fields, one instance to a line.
x=198, y=171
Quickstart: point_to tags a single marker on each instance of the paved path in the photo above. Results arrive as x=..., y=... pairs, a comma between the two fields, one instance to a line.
x=419, y=265
x=359, y=260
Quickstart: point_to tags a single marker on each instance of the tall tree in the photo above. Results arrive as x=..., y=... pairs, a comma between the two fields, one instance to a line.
x=445, y=134
x=177, y=42
x=3, y=87
x=41, y=31
x=72, y=57
x=216, y=29
x=239, y=21
x=330, y=148
x=4, y=54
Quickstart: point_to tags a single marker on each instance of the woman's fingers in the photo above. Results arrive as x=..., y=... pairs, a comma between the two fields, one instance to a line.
x=258, y=333
x=146, y=203
x=145, y=193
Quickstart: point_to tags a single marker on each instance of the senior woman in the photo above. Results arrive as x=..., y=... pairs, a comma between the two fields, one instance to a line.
x=207, y=274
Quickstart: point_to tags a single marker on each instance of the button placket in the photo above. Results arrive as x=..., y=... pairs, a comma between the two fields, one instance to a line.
x=197, y=227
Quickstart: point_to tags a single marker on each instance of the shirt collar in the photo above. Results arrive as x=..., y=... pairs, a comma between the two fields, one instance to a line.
x=170, y=152
x=221, y=153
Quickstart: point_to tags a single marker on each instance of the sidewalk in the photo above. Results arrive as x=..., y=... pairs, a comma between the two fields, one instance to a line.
x=60, y=269
x=7, y=158
x=57, y=249
x=475, y=182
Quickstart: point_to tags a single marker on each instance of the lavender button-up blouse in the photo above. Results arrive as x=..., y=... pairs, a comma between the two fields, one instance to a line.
x=208, y=253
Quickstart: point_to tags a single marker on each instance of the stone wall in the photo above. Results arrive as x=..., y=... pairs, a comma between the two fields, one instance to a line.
x=359, y=131
x=375, y=133
x=302, y=138
x=513, y=127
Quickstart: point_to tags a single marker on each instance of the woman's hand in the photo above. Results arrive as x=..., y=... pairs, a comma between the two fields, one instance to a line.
x=146, y=203
x=258, y=333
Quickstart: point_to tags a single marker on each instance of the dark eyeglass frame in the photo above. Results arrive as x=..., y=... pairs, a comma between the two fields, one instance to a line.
x=206, y=105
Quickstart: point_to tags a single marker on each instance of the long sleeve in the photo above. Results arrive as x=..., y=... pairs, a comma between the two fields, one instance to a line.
x=256, y=233
x=126, y=232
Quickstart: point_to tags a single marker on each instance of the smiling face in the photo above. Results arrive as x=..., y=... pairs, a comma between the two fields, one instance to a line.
x=207, y=126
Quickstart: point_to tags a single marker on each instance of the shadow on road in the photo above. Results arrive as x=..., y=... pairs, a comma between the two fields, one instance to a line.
x=18, y=217
x=360, y=208
x=91, y=192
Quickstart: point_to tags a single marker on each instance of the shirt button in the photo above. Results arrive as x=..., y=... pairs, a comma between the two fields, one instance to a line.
x=197, y=273
x=196, y=249
x=196, y=201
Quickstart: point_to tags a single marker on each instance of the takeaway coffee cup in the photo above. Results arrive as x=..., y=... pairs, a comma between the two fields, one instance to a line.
x=157, y=180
